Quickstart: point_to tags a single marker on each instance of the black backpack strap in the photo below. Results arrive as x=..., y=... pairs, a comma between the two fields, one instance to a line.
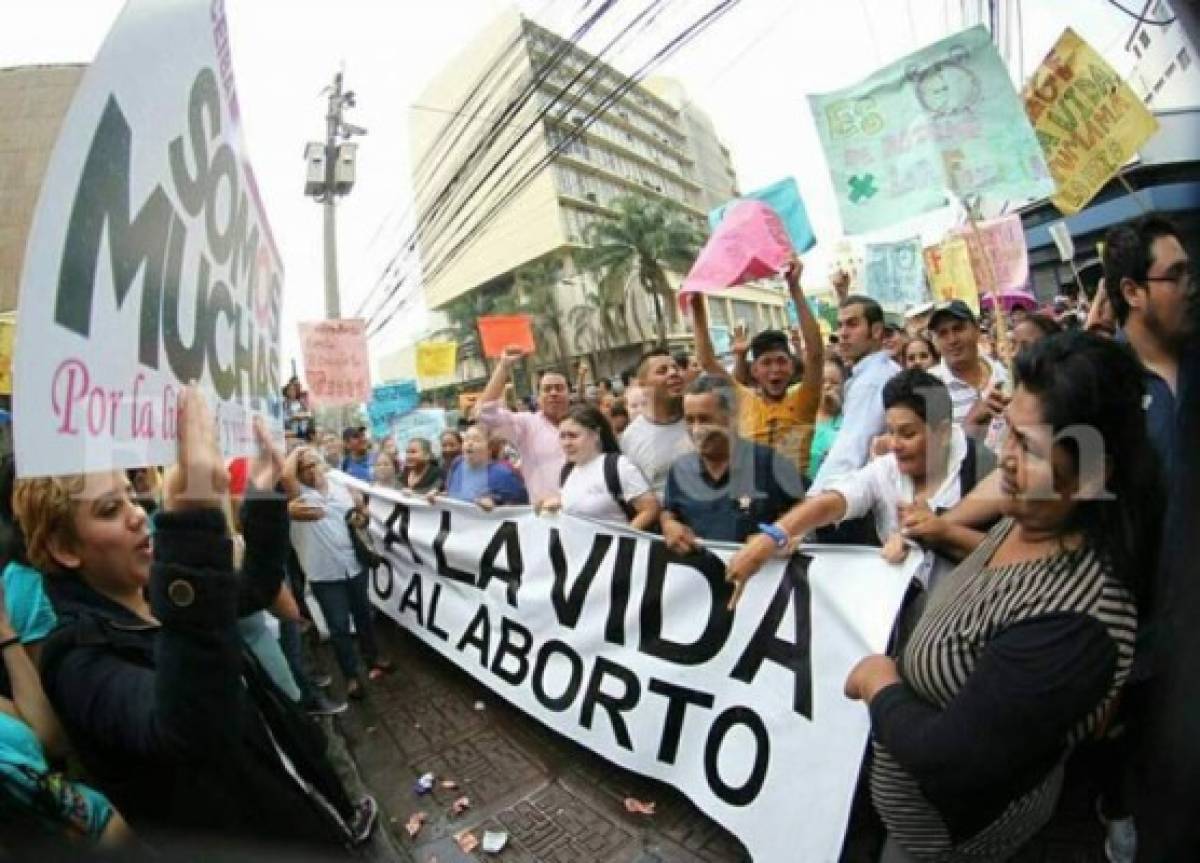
x=612, y=479
x=564, y=473
x=968, y=471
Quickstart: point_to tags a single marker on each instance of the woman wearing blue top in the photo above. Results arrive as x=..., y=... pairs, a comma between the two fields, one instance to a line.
x=475, y=478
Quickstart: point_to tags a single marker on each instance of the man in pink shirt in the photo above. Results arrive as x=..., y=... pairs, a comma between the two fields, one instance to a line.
x=534, y=435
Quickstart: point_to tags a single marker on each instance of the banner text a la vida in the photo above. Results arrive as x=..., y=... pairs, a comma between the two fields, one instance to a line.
x=629, y=650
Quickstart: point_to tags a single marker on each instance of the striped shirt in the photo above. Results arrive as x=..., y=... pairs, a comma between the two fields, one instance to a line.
x=976, y=609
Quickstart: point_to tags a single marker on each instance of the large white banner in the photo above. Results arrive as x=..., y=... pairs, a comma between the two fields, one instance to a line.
x=150, y=263
x=611, y=640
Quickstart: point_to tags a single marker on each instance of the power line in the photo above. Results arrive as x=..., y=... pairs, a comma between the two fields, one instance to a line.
x=484, y=143
x=1140, y=18
x=446, y=231
x=660, y=56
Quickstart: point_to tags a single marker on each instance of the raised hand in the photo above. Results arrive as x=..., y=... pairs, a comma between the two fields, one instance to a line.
x=741, y=338
x=512, y=354
x=198, y=479
x=267, y=468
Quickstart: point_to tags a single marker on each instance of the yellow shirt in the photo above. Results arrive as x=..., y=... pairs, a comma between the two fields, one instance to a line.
x=785, y=425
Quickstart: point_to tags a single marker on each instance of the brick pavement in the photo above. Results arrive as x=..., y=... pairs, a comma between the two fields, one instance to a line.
x=557, y=802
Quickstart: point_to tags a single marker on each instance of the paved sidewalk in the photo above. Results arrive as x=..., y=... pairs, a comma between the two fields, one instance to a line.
x=557, y=802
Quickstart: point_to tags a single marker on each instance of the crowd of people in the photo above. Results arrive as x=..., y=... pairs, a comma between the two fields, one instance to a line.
x=1038, y=466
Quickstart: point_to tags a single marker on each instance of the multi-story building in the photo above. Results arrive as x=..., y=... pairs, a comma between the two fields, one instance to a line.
x=33, y=103
x=652, y=141
x=1165, y=72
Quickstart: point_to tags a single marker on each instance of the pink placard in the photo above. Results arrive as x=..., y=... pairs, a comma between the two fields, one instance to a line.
x=1004, y=242
x=751, y=243
x=335, y=362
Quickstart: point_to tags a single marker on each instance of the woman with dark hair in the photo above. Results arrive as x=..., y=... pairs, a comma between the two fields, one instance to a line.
x=1032, y=329
x=452, y=445
x=1023, y=650
x=420, y=474
x=929, y=464
x=597, y=480
x=920, y=353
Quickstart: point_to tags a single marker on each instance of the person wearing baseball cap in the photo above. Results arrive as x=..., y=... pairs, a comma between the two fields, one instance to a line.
x=357, y=460
x=975, y=382
x=774, y=413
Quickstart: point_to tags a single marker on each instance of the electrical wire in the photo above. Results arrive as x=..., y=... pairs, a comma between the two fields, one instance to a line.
x=1140, y=18
x=486, y=138
x=646, y=18
x=660, y=56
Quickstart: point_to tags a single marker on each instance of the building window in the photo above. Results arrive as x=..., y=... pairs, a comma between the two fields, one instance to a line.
x=745, y=313
x=1184, y=58
x=717, y=315
x=1144, y=38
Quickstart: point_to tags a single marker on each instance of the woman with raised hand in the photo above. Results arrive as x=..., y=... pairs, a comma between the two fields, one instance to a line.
x=597, y=480
x=1023, y=650
x=176, y=721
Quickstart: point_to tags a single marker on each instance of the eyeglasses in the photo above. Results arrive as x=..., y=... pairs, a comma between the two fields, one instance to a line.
x=1184, y=279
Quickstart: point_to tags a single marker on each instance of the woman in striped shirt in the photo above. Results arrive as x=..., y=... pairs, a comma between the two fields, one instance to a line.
x=1022, y=650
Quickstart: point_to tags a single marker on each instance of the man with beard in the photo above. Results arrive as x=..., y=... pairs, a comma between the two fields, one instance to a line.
x=1152, y=289
x=535, y=435
x=658, y=435
x=728, y=488
x=773, y=413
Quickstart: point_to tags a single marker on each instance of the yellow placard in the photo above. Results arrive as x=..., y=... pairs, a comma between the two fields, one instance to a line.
x=1087, y=119
x=436, y=359
x=8, y=331
x=948, y=266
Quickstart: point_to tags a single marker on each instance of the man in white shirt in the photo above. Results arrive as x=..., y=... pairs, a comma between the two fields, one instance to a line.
x=659, y=435
x=968, y=375
x=860, y=345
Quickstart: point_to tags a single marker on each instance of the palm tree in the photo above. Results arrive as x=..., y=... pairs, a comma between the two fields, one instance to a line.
x=537, y=282
x=645, y=239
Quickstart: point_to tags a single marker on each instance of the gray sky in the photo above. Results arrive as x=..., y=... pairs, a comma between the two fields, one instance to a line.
x=751, y=72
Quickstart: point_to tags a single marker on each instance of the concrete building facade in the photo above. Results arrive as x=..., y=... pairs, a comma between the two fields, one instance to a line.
x=1165, y=72
x=651, y=141
x=33, y=103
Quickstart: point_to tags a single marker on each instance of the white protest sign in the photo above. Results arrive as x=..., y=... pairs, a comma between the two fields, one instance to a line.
x=1061, y=234
x=608, y=638
x=150, y=262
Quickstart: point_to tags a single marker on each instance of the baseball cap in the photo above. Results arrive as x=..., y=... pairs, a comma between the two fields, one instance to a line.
x=353, y=432
x=956, y=309
x=767, y=341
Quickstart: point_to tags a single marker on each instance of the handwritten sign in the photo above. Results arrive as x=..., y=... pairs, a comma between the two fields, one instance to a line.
x=784, y=198
x=948, y=266
x=895, y=277
x=428, y=423
x=942, y=120
x=1088, y=120
x=150, y=262
x=389, y=402
x=501, y=331
x=1003, y=241
x=436, y=360
x=335, y=362
x=8, y=333
x=750, y=243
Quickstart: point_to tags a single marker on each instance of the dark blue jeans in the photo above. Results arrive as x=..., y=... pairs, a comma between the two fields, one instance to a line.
x=340, y=601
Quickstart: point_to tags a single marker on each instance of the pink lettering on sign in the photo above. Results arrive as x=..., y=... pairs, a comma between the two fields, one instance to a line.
x=80, y=406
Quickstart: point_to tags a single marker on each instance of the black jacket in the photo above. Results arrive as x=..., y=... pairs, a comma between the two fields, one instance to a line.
x=177, y=722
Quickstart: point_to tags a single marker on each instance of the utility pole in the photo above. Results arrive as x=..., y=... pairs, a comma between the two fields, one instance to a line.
x=331, y=169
